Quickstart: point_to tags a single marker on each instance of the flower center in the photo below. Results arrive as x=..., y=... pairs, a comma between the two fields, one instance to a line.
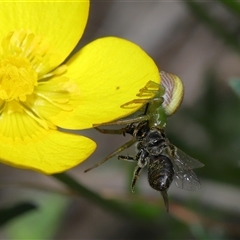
x=17, y=78
x=33, y=91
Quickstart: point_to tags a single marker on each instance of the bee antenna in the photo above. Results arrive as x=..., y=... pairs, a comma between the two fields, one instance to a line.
x=165, y=198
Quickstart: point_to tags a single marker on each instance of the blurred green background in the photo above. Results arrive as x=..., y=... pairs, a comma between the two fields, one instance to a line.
x=198, y=41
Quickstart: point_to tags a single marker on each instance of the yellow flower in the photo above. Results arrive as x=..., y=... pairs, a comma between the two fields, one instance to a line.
x=38, y=93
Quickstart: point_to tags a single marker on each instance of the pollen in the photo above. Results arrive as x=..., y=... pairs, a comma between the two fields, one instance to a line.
x=17, y=78
x=33, y=93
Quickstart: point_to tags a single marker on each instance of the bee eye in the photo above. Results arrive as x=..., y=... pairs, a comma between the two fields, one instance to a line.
x=173, y=94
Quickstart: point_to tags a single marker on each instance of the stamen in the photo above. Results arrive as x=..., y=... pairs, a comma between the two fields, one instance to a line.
x=27, y=45
x=58, y=71
x=30, y=97
x=17, y=78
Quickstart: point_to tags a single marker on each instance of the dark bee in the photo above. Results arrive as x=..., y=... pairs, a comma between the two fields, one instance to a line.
x=165, y=162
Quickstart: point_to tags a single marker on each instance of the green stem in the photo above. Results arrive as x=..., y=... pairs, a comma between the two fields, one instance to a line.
x=109, y=205
x=8, y=214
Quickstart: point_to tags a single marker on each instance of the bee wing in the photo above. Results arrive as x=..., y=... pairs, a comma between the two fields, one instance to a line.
x=186, y=179
x=186, y=160
x=183, y=164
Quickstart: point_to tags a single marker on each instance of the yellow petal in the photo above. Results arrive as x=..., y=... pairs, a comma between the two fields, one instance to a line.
x=59, y=23
x=52, y=153
x=109, y=72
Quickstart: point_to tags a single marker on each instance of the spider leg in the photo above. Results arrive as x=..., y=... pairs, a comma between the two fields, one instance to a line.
x=152, y=92
x=120, y=149
x=151, y=89
x=124, y=121
x=110, y=131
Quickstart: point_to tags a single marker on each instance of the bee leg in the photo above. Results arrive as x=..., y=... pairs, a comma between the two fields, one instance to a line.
x=137, y=170
x=120, y=149
x=165, y=198
x=131, y=158
x=141, y=159
x=127, y=158
x=136, y=175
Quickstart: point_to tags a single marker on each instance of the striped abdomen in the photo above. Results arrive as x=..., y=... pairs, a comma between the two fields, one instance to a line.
x=160, y=172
